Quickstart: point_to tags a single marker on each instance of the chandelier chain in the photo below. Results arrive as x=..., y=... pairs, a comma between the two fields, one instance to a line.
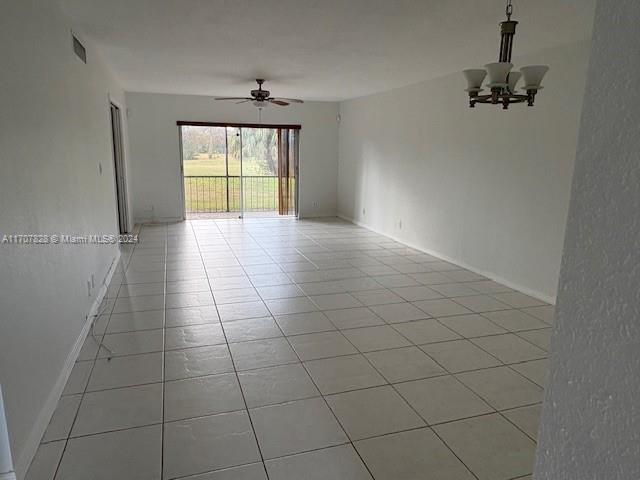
x=509, y=10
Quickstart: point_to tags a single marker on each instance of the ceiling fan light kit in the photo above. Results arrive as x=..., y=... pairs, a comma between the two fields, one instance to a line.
x=261, y=98
x=502, y=80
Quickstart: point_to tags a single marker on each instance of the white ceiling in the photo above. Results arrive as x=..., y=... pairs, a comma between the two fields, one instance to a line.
x=311, y=49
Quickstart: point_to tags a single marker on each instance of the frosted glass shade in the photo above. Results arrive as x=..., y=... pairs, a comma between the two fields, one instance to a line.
x=513, y=79
x=498, y=73
x=533, y=75
x=474, y=77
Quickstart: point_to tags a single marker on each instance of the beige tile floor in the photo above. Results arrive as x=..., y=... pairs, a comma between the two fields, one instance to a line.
x=283, y=349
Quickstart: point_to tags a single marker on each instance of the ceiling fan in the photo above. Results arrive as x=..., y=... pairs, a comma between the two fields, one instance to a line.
x=261, y=98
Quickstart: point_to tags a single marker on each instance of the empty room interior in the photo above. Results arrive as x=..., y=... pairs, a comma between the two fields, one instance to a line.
x=302, y=240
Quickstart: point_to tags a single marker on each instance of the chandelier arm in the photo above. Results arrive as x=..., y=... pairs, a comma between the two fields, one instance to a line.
x=490, y=99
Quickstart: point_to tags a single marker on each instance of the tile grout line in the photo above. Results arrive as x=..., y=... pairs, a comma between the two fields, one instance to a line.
x=519, y=374
x=392, y=386
x=164, y=341
x=408, y=404
x=419, y=416
x=275, y=261
x=246, y=408
x=324, y=398
x=427, y=425
x=84, y=392
x=441, y=375
x=503, y=364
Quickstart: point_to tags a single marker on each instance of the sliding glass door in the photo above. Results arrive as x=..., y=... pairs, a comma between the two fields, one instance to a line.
x=268, y=171
x=238, y=171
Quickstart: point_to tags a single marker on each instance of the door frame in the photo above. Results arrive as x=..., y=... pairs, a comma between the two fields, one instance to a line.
x=240, y=125
x=181, y=123
x=119, y=168
x=181, y=176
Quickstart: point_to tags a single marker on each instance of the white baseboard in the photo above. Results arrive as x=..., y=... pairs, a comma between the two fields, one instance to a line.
x=504, y=281
x=33, y=440
x=154, y=220
x=317, y=215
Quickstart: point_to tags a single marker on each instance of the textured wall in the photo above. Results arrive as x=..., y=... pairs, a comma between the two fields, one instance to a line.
x=590, y=426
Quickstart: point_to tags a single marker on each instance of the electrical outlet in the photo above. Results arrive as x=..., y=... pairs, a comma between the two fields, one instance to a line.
x=315, y=204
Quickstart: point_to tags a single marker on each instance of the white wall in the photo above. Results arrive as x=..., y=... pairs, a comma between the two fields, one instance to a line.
x=590, y=425
x=54, y=133
x=485, y=188
x=155, y=152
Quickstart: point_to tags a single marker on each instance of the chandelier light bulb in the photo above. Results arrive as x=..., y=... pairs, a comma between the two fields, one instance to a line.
x=498, y=73
x=475, y=77
x=533, y=75
x=512, y=80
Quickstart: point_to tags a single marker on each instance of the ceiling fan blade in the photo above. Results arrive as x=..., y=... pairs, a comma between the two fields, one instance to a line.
x=278, y=102
x=243, y=101
x=232, y=98
x=291, y=100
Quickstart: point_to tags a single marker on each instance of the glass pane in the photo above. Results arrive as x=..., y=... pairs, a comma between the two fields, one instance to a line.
x=234, y=155
x=260, y=170
x=204, y=161
x=233, y=144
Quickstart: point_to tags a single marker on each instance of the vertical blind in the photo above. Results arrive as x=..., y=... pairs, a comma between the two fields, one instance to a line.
x=288, y=152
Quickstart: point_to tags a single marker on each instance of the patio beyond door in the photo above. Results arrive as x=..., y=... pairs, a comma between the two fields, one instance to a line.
x=239, y=170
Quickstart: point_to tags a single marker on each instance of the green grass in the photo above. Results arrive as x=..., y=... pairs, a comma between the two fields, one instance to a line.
x=203, y=166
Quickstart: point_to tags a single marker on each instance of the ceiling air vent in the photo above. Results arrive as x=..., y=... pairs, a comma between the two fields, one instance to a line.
x=79, y=49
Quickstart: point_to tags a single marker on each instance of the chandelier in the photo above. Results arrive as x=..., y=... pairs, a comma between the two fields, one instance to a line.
x=503, y=81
